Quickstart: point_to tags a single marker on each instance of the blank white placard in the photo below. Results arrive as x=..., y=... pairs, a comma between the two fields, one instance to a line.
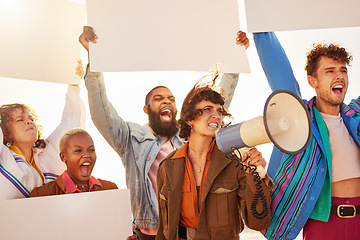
x=283, y=15
x=39, y=39
x=143, y=35
x=90, y=216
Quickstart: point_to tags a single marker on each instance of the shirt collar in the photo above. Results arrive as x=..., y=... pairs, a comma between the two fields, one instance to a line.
x=16, y=150
x=181, y=152
x=70, y=186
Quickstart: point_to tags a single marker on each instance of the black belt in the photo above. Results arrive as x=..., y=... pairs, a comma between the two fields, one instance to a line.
x=143, y=236
x=345, y=211
x=182, y=232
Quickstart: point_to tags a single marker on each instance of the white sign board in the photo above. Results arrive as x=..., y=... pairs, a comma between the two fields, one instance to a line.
x=39, y=39
x=90, y=216
x=143, y=35
x=284, y=15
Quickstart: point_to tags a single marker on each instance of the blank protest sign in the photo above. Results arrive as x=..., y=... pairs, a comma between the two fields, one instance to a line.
x=91, y=216
x=39, y=39
x=284, y=15
x=143, y=35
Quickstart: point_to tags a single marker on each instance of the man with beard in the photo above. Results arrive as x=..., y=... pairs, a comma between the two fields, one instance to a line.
x=319, y=189
x=163, y=123
x=141, y=148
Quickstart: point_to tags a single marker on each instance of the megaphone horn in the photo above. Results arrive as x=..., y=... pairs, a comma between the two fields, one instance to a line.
x=285, y=122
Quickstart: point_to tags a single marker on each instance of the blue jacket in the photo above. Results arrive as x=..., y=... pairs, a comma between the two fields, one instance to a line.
x=136, y=145
x=302, y=183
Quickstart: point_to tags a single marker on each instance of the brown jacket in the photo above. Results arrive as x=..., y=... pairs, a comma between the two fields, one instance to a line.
x=227, y=196
x=57, y=187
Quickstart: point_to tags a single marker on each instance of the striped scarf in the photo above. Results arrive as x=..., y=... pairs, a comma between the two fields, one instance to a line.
x=20, y=173
x=296, y=174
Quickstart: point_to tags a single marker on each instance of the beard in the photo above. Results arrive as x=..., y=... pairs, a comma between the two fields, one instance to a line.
x=167, y=129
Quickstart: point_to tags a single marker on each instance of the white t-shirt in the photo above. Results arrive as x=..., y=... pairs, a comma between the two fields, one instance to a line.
x=345, y=152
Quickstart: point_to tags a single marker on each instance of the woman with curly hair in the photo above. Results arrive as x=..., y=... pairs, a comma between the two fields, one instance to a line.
x=26, y=159
x=202, y=193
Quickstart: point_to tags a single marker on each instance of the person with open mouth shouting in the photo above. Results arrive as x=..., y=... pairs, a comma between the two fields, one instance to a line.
x=317, y=190
x=202, y=192
x=77, y=151
x=141, y=147
x=27, y=160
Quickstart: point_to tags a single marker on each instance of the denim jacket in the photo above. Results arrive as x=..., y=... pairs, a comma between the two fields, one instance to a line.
x=137, y=145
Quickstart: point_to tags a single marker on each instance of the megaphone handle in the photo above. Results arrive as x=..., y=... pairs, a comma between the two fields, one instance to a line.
x=259, y=169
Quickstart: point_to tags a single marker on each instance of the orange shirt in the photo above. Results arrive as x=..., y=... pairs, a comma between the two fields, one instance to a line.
x=189, y=216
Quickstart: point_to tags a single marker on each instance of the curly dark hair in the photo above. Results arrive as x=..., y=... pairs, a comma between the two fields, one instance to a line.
x=6, y=120
x=319, y=50
x=197, y=94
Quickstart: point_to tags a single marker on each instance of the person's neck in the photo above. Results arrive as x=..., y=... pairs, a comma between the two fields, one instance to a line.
x=199, y=146
x=327, y=108
x=82, y=186
x=26, y=150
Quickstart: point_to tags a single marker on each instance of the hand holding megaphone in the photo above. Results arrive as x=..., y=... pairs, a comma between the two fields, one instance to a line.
x=256, y=159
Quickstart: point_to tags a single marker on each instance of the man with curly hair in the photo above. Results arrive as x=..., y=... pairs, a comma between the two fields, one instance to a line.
x=319, y=189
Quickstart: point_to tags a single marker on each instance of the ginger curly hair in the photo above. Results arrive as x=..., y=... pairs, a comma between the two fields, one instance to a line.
x=319, y=50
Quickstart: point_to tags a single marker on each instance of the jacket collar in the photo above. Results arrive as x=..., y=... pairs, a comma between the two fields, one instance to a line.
x=60, y=182
x=353, y=109
x=348, y=113
x=147, y=127
x=175, y=168
x=150, y=134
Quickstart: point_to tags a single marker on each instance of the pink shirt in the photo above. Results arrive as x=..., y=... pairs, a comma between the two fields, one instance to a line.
x=166, y=148
x=70, y=185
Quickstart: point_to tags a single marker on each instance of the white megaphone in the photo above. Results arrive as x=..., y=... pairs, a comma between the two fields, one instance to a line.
x=285, y=122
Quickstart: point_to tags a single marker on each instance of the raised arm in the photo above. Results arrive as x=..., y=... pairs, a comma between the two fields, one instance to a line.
x=73, y=116
x=229, y=81
x=228, y=84
x=103, y=114
x=275, y=63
